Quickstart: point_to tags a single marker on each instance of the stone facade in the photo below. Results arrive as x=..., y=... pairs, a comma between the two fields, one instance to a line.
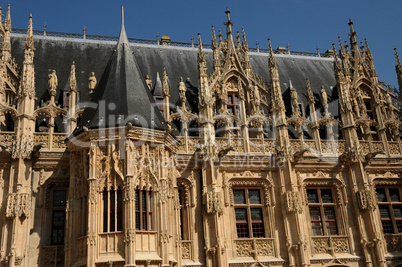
x=258, y=182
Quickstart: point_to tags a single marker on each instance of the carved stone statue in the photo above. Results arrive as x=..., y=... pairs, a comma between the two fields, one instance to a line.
x=294, y=96
x=52, y=82
x=148, y=81
x=182, y=91
x=324, y=99
x=92, y=83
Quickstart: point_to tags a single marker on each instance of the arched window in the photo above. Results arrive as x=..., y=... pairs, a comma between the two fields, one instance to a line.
x=143, y=210
x=112, y=210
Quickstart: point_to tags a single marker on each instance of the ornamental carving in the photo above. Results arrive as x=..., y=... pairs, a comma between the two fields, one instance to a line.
x=1, y=179
x=394, y=243
x=186, y=250
x=91, y=239
x=129, y=236
x=330, y=244
x=244, y=248
x=264, y=247
x=22, y=147
x=18, y=204
x=214, y=202
x=293, y=201
x=367, y=200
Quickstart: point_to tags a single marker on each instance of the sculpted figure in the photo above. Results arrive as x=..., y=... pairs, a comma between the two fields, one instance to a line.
x=293, y=96
x=52, y=81
x=92, y=82
x=182, y=91
x=148, y=81
x=324, y=98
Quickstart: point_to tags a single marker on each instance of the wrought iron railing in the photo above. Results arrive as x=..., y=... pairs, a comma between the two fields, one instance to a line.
x=157, y=42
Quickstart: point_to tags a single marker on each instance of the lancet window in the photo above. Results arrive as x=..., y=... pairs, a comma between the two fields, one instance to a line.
x=390, y=207
x=322, y=209
x=112, y=210
x=143, y=210
x=184, y=225
x=58, y=216
x=248, y=209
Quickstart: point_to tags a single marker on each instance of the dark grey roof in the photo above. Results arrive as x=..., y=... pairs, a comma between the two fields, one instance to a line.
x=121, y=95
x=89, y=55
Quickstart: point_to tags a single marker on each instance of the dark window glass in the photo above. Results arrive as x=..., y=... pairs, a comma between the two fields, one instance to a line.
x=394, y=195
x=381, y=195
x=58, y=221
x=239, y=197
x=59, y=198
x=254, y=196
x=326, y=196
x=312, y=196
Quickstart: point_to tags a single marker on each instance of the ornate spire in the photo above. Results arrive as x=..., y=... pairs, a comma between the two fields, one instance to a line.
x=341, y=50
x=310, y=94
x=245, y=44
x=29, y=43
x=398, y=62
x=272, y=61
x=202, y=63
x=337, y=66
x=220, y=36
x=7, y=21
x=353, y=42
x=228, y=24
x=73, y=80
x=216, y=50
x=214, y=41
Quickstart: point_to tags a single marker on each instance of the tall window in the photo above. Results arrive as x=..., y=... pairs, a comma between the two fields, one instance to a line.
x=143, y=210
x=390, y=206
x=233, y=105
x=371, y=114
x=322, y=211
x=183, y=215
x=58, y=217
x=112, y=210
x=249, y=213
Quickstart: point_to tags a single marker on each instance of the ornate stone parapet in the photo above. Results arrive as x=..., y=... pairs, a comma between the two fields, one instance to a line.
x=52, y=255
x=18, y=204
x=254, y=247
x=330, y=244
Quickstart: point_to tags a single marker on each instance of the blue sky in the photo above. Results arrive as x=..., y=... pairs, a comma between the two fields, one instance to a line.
x=303, y=24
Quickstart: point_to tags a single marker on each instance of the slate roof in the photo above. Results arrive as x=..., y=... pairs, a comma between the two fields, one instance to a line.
x=93, y=56
x=122, y=95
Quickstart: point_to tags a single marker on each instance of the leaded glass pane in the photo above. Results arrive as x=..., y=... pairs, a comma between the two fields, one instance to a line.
x=326, y=196
x=398, y=211
x=254, y=196
x=312, y=196
x=394, y=195
x=241, y=215
x=239, y=197
x=256, y=214
x=381, y=195
x=384, y=212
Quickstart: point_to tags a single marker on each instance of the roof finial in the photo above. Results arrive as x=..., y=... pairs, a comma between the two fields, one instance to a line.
x=398, y=62
x=7, y=21
x=122, y=15
x=29, y=43
x=123, y=36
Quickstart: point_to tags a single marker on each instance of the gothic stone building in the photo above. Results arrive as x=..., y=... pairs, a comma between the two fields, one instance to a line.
x=165, y=154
